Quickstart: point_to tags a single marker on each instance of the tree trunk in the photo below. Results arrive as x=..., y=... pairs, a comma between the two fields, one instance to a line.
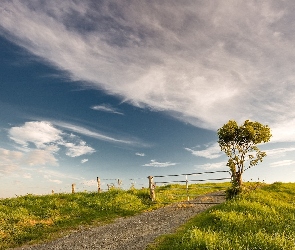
x=237, y=179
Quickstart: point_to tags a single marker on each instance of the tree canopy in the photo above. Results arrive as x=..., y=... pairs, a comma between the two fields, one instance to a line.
x=239, y=144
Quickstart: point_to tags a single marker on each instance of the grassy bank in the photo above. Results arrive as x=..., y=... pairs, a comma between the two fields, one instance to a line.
x=261, y=219
x=31, y=219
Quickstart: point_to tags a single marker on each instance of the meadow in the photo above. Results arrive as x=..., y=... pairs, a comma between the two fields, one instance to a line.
x=33, y=219
x=263, y=218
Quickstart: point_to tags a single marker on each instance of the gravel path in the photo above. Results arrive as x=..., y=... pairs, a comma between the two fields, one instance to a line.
x=134, y=232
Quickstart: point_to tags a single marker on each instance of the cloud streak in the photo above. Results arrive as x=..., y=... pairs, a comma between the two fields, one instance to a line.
x=282, y=163
x=91, y=133
x=204, y=63
x=279, y=152
x=106, y=108
x=157, y=164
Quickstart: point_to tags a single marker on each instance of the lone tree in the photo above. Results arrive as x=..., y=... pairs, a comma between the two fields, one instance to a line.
x=239, y=144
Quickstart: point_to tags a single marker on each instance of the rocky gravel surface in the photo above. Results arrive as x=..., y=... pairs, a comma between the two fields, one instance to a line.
x=134, y=232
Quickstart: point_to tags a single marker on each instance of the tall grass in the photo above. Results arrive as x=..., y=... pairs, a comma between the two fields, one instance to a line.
x=261, y=219
x=30, y=219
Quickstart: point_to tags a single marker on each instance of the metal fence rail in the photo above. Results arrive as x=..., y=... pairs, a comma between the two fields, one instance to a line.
x=154, y=183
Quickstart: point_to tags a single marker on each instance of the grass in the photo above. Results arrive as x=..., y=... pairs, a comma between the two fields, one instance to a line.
x=261, y=219
x=33, y=219
x=177, y=192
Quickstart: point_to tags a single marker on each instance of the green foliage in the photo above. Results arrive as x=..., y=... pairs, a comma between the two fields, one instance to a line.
x=240, y=145
x=29, y=219
x=261, y=219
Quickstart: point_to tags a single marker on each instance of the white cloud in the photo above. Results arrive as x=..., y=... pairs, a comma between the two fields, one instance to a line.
x=156, y=164
x=203, y=63
x=282, y=163
x=38, y=143
x=48, y=140
x=140, y=154
x=211, y=152
x=78, y=150
x=42, y=134
x=107, y=108
x=213, y=166
x=84, y=160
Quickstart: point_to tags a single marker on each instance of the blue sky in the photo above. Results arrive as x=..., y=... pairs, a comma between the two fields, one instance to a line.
x=135, y=88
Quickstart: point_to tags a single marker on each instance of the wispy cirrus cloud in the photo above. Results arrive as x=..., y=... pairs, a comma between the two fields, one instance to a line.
x=157, y=164
x=107, y=108
x=204, y=63
x=279, y=152
x=282, y=163
x=93, y=134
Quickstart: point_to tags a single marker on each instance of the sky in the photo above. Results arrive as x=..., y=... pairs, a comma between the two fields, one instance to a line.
x=127, y=89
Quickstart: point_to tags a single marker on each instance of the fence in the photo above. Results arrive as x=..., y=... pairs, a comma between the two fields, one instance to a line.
x=153, y=184
x=103, y=185
x=155, y=181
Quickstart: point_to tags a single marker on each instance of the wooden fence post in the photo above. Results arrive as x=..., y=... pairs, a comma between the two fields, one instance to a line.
x=119, y=183
x=152, y=188
x=73, y=188
x=98, y=185
x=186, y=183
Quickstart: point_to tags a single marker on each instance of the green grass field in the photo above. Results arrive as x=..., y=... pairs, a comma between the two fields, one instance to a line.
x=31, y=219
x=261, y=219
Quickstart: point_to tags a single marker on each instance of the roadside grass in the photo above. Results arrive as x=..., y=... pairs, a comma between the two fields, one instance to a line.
x=261, y=219
x=33, y=219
